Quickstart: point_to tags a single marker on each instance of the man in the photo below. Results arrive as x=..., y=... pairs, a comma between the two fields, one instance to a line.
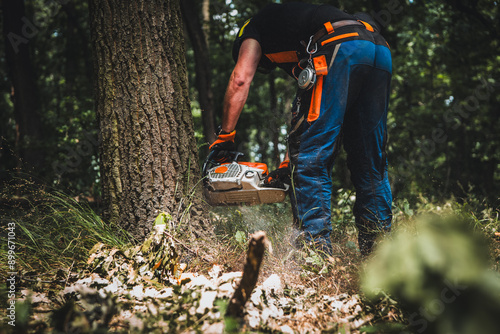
x=343, y=67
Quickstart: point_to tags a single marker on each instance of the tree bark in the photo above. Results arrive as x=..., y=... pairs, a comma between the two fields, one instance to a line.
x=149, y=159
x=202, y=67
x=18, y=30
x=205, y=13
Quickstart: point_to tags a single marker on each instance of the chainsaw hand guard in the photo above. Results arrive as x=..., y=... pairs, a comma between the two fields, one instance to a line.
x=223, y=152
x=223, y=149
x=279, y=178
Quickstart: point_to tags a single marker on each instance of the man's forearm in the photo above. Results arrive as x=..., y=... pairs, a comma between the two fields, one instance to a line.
x=239, y=83
x=234, y=100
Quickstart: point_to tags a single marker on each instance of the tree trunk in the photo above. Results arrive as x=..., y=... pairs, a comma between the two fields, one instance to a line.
x=202, y=67
x=148, y=156
x=274, y=124
x=18, y=31
x=205, y=13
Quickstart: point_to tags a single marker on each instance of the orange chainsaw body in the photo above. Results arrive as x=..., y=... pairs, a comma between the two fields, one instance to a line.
x=240, y=183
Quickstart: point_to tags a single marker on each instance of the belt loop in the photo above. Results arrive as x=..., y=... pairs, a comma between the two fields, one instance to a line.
x=328, y=27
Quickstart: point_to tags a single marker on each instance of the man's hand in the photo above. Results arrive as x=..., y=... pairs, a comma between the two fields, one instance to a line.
x=223, y=147
x=279, y=177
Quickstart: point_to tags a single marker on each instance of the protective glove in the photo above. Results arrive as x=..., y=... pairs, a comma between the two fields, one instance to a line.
x=222, y=148
x=279, y=177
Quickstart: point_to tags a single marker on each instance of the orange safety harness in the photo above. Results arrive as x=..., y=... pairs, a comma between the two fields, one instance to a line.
x=318, y=63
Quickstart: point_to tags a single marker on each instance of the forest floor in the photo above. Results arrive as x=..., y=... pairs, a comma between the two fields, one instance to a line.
x=304, y=293
x=171, y=285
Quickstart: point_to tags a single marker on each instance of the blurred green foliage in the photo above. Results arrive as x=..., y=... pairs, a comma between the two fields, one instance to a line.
x=438, y=268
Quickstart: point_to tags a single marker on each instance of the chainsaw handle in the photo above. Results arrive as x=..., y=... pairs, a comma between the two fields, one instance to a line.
x=237, y=155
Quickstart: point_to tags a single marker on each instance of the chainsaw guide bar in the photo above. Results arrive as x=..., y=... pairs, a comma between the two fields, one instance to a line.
x=240, y=183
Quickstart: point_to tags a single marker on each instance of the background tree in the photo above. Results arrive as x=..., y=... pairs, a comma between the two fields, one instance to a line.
x=17, y=31
x=148, y=156
x=56, y=41
x=196, y=27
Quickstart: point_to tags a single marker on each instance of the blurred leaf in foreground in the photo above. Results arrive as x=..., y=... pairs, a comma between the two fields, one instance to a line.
x=438, y=269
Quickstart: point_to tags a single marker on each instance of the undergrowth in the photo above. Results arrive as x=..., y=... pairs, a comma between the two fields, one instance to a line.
x=53, y=231
x=340, y=272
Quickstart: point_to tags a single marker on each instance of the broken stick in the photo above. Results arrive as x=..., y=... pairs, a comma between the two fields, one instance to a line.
x=256, y=248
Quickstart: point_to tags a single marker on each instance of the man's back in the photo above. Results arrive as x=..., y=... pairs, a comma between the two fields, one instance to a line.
x=282, y=27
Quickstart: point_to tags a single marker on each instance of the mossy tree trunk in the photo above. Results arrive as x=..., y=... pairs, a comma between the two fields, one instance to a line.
x=148, y=152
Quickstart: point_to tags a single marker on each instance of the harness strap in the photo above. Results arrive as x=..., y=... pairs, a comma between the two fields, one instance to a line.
x=330, y=27
x=336, y=38
x=283, y=57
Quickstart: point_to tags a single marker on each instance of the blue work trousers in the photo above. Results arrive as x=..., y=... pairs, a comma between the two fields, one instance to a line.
x=354, y=102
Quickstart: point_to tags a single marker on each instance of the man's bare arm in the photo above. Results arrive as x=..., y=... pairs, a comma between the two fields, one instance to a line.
x=239, y=83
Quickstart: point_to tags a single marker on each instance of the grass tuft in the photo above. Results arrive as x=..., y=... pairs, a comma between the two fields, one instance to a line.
x=52, y=230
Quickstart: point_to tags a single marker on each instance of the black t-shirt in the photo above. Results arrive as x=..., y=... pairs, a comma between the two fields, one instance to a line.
x=280, y=28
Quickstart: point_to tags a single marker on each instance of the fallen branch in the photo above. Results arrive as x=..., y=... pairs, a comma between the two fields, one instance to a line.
x=256, y=248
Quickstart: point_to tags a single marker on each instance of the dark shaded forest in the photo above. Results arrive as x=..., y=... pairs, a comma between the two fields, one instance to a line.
x=443, y=114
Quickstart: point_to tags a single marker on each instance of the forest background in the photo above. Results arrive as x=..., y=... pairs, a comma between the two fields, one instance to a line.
x=443, y=119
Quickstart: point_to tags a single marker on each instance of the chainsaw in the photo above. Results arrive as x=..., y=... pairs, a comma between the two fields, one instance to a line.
x=238, y=182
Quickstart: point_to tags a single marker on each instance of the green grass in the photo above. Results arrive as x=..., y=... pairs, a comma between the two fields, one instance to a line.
x=53, y=231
